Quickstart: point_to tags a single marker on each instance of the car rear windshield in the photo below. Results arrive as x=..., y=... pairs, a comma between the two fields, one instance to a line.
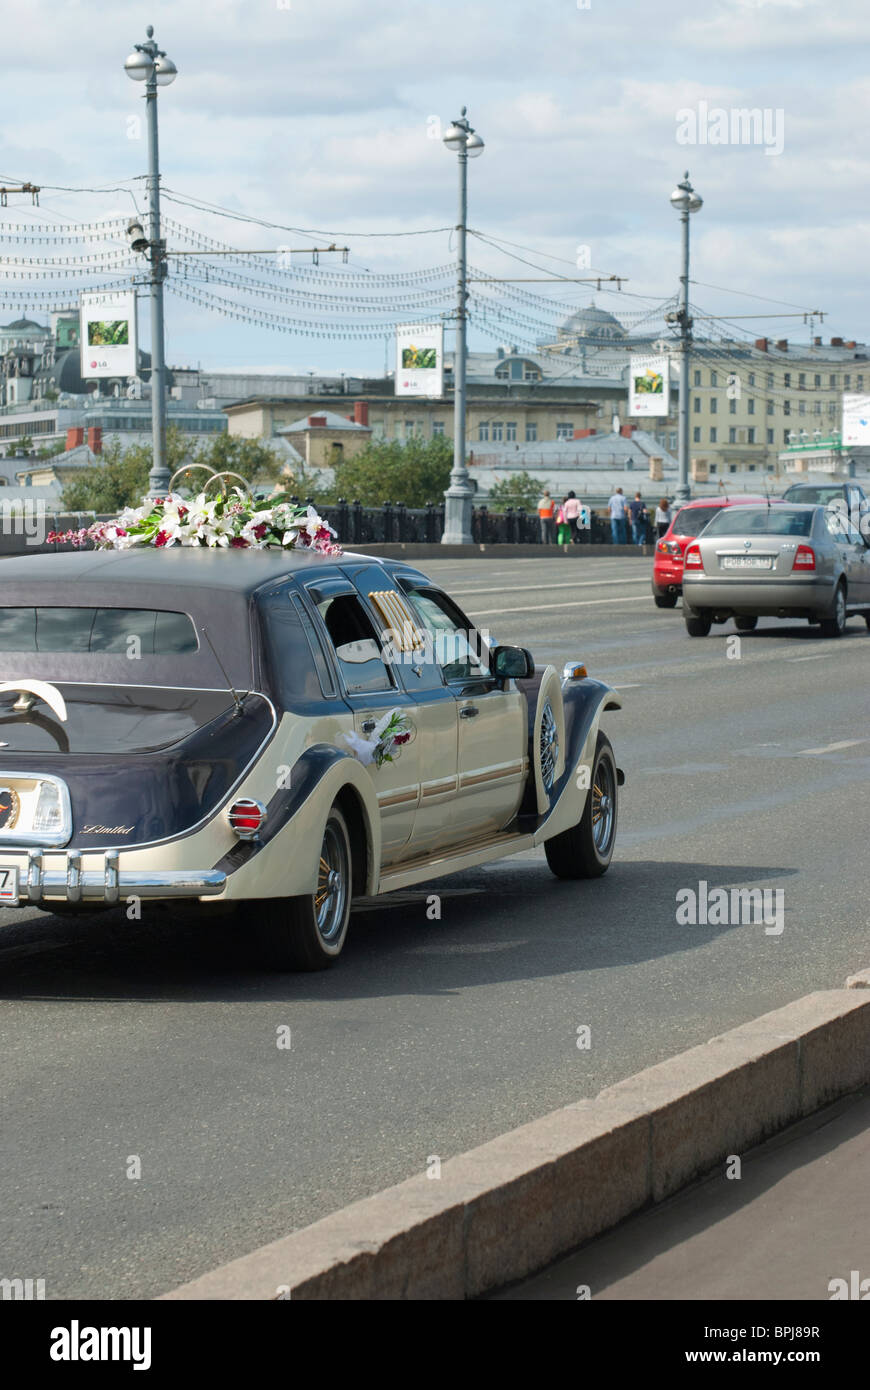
x=690, y=521
x=131, y=631
x=814, y=494
x=768, y=521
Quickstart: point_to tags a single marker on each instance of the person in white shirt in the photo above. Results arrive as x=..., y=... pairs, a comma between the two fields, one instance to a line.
x=617, y=506
x=664, y=517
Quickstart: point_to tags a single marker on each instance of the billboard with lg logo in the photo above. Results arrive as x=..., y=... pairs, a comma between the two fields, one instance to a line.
x=108, y=334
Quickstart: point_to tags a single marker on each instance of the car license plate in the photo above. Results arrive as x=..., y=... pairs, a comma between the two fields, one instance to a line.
x=747, y=562
x=9, y=885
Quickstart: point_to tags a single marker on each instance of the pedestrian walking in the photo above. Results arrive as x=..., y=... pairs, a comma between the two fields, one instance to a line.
x=638, y=513
x=617, y=507
x=563, y=529
x=546, y=511
x=571, y=509
x=664, y=517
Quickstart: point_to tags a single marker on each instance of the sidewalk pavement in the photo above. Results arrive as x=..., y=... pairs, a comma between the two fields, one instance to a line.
x=794, y=1221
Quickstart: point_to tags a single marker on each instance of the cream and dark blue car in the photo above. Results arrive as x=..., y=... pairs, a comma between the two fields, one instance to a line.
x=280, y=730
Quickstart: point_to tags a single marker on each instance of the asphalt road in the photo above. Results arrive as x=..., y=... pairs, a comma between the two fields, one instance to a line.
x=156, y=1039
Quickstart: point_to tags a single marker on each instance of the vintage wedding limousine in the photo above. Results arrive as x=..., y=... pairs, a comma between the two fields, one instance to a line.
x=287, y=730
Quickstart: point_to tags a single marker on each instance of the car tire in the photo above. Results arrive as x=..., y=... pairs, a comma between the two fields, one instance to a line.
x=309, y=932
x=665, y=600
x=698, y=621
x=746, y=624
x=585, y=850
x=835, y=625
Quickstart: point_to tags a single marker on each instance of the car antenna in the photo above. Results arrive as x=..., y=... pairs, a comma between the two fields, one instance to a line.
x=235, y=694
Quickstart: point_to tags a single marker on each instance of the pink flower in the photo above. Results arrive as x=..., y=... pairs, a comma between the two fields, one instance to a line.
x=401, y=738
x=239, y=543
x=260, y=531
x=161, y=538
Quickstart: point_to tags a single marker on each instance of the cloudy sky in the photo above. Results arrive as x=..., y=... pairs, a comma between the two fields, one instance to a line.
x=317, y=116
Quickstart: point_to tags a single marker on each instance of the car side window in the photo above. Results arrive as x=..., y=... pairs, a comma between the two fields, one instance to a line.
x=456, y=646
x=836, y=525
x=355, y=643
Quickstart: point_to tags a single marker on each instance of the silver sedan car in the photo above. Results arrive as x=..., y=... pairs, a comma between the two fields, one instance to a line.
x=788, y=561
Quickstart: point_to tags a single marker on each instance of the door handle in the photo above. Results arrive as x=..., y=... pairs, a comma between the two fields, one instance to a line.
x=368, y=725
x=468, y=712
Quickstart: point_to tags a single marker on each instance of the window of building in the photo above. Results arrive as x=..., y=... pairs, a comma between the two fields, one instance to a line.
x=697, y=405
x=832, y=409
x=565, y=430
x=531, y=432
x=672, y=441
x=859, y=383
x=483, y=432
x=714, y=404
x=732, y=434
x=786, y=381
x=786, y=437
x=732, y=407
x=510, y=431
x=751, y=378
x=770, y=436
x=713, y=434
x=802, y=380
x=802, y=407
x=750, y=406
x=817, y=380
x=750, y=435
x=847, y=382
x=786, y=407
x=696, y=434
x=714, y=468
x=714, y=379
x=770, y=407
x=817, y=407
x=437, y=428
x=531, y=374
x=732, y=468
x=832, y=382
x=769, y=380
x=697, y=378
x=497, y=432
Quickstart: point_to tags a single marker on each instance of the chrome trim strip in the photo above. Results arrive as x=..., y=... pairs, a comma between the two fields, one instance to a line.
x=74, y=878
x=74, y=885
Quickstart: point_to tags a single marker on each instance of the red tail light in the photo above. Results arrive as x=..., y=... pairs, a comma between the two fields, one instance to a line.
x=692, y=558
x=805, y=558
x=246, y=817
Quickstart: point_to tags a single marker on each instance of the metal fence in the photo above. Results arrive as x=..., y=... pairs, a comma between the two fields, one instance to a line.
x=22, y=530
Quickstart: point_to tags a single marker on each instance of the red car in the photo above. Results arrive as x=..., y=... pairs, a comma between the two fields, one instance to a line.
x=689, y=521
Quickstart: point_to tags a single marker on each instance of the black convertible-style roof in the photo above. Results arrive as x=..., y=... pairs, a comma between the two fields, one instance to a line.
x=176, y=567
x=215, y=587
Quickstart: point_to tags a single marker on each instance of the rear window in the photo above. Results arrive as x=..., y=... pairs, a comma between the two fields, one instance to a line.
x=130, y=631
x=768, y=521
x=690, y=521
x=815, y=494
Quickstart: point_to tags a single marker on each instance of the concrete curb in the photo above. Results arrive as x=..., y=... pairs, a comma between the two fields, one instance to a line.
x=508, y=1208
x=425, y=550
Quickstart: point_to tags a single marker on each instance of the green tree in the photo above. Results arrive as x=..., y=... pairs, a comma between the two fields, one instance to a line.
x=51, y=451
x=120, y=479
x=24, y=445
x=519, y=490
x=388, y=471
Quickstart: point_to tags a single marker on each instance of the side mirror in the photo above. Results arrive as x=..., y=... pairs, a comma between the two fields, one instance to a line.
x=513, y=663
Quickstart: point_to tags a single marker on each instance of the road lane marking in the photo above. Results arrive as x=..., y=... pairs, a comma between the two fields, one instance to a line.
x=832, y=747
x=819, y=656
x=540, y=607
x=524, y=588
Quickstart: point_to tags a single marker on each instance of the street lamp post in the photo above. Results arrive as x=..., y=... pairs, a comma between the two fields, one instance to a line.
x=149, y=64
x=461, y=137
x=685, y=201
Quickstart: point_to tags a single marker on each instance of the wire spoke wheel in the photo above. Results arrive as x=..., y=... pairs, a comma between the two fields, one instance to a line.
x=333, y=881
x=549, y=746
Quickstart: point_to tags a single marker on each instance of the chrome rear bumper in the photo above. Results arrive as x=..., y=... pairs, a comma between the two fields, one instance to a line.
x=72, y=884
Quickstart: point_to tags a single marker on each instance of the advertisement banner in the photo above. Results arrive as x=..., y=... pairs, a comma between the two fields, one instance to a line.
x=648, y=386
x=420, y=360
x=856, y=420
x=108, y=334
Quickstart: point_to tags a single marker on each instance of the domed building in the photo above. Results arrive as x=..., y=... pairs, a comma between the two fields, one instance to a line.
x=592, y=326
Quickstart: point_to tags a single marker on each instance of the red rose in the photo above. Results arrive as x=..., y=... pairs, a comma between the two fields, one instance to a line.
x=401, y=738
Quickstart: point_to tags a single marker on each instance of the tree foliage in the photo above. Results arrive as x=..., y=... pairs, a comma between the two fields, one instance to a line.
x=120, y=479
x=414, y=473
x=519, y=490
